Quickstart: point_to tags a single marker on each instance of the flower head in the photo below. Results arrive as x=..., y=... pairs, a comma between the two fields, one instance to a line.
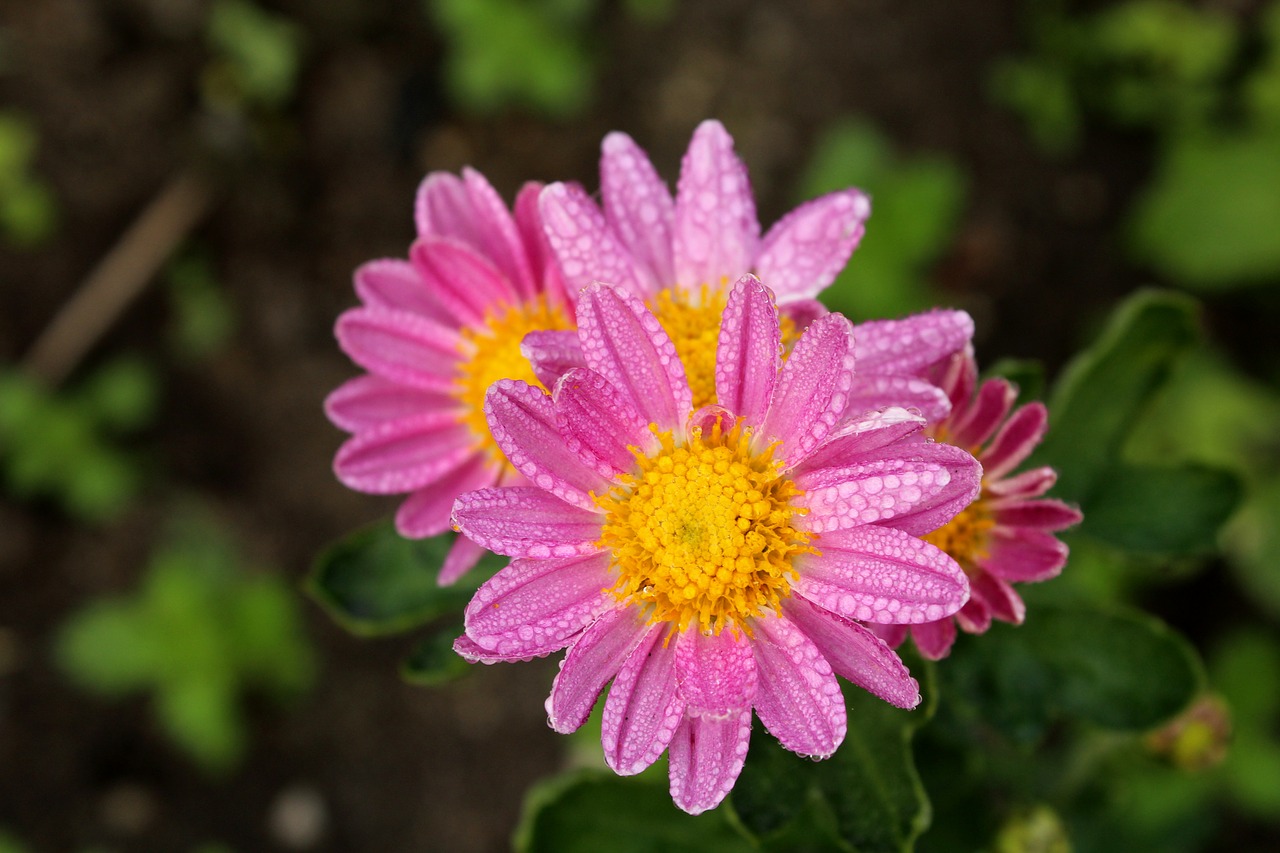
x=1006, y=535
x=434, y=332
x=710, y=561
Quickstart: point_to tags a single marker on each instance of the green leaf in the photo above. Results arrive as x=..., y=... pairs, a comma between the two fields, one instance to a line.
x=1209, y=219
x=200, y=714
x=108, y=647
x=1170, y=511
x=587, y=812
x=378, y=582
x=433, y=661
x=869, y=790
x=1102, y=391
x=1117, y=669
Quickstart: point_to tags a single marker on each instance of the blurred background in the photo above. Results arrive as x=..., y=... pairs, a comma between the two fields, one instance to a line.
x=187, y=185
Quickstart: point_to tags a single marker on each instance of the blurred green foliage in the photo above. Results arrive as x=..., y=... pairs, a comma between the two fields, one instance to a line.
x=60, y=445
x=197, y=634
x=256, y=56
x=203, y=319
x=28, y=211
x=915, y=205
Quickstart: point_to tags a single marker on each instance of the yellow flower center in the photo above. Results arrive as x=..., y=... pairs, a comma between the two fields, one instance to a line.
x=491, y=351
x=702, y=532
x=692, y=319
x=966, y=536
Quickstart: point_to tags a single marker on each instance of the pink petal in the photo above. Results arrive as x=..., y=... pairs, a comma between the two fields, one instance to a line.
x=855, y=438
x=522, y=521
x=872, y=391
x=471, y=653
x=893, y=635
x=876, y=574
x=716, y=230
x=812, y=389
x=522, y=419
x=934, y=639
x=443, y=208
x=972, y=425
x=799, y=699
x=910, y=345
x=999, y=597
x=599, y=424
x=749, y=352
x=552, y=354
x=1046, y=514
x=406, y=348
x=1024, y=554
x=1028, y=484
x=529, y=225
x=643, y=710
x=715, y=673
x=462, y=557
x=705, y=759
x=856, y=653
x=404, y=455
x=367, y=401
x=426, y=511
x=623, y=342
x=1016, y=439
x=975, y=616
x=806, y=249
x=500, y=239
x=466, y=284
x=585, y=248
x=535, y=607
x=593, y=659
x=639, y=208
x=803, y=312
x=397, y=285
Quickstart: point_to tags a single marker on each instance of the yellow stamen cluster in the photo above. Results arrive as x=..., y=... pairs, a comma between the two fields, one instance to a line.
x=702, y=532
x=491, y=352
x=966, y=537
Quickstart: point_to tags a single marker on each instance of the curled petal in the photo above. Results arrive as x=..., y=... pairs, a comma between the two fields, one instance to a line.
x=806, y=249
x=522, y=521
x=643, y=709
x=749, y=352
x=585, y=248
x=705, y=758
x=639, y=208
x=716, y=229
x=799, y=699
x=593, y=659
x=715, y=673
x=812, y=389
x=552, y=354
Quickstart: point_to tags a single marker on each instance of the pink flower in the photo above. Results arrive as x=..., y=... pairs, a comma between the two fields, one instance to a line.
x=433, y=332
x=1006, y=535
x=716, y=561
x=682, y=255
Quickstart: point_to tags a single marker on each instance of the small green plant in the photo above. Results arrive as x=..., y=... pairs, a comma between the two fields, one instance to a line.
x=28, y=212
x=256, y=56
x=203, y=319
x=60, y=445
x=197, y=634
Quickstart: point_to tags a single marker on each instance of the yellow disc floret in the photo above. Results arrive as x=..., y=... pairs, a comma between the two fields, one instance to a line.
x=966, y=537
x=702, y=533
x=491, y=351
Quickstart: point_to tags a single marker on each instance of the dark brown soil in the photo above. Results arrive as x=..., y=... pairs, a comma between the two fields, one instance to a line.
x=112, y=86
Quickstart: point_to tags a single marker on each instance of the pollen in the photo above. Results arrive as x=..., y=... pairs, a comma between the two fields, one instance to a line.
x=966, y=538
x=491, y=351
x=703, y=533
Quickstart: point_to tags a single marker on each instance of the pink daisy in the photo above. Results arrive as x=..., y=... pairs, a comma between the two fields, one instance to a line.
x=434, y=332
x=1006, y=535
x=716, y=561
x=681, y=256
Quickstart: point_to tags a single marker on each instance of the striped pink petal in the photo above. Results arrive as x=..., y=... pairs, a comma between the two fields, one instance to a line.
x=873, y=391
x=499, y=238
x=1027, y=484
x=806, y=249
x=642, y=711
x=443, y=207
x=367, y=401
x=524, y=521
x=467, y=284
x=715, y=673
x=599, y=424
x=705, y=758
x=998, y=597
x=910, y=345
x=397, y=285
x=716, y=230
x=639, y=208
x=1021, y=554
x=934, y=640
x=973, y=425
x=462, y=557
x=855, y=438
x=426, y=512
x=585, y=248
x=749, y=352
x=798, y=699
x=1047, y=514
x=1015, y=440
x=404, y=455
x=407, y=348
x=811, y=391
x=593, y=659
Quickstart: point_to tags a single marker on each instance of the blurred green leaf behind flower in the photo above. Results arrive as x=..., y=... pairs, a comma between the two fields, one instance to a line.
x=28, y=210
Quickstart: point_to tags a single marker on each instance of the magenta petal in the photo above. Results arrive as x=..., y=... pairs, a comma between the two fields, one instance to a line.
x=1047, y=514
x=500, y=239
x=599, y=424
x=1016, y=439
x=973, y=424
x=873, y=391
x=1000, y=599
x=522, y=521
x=715, y=673
x=368, y=401
x=534, y=607
x=407, y=348
x=856, y=653
x=623, y=342
x=643, y=710
x=1027, y=484
x=716, y=230
x=522, y=420
x=812, y=389
x=472, y=653
x=934, y=639
x=443, y=207
x=462, y=557
x=910, y=345
x=705, y=759
x=803, y=312
x=1024, y=555
x=552, y=354
x=749, y=352
x=593, y=659
x=467, y=284
x=799, y=699
x=585, y=248
x=878, y=574
x=806, y=249
x=855, y=438
x=426, y=512
x=639, y=208
x=396, y=285
x=403, y=455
